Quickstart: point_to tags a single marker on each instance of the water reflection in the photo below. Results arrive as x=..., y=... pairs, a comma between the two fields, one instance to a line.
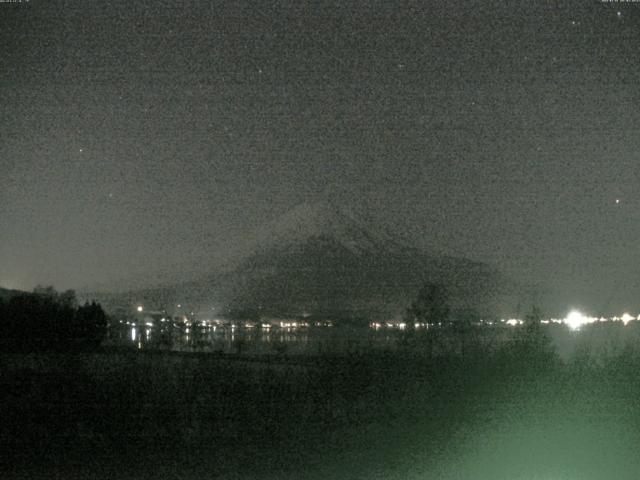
x=282, y=338
x=254, y=339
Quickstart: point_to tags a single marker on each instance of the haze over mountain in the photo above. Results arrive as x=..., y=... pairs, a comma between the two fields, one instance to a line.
x=323, y=260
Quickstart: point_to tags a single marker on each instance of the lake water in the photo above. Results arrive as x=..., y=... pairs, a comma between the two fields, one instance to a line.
x=256, y=340
x=600, y=340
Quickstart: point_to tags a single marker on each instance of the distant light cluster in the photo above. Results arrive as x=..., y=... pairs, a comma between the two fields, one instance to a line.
x=574, y=320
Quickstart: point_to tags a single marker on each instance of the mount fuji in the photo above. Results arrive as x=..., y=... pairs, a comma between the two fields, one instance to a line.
x=323, y=260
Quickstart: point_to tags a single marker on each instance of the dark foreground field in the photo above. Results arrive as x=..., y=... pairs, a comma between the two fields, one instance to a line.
x=513, y=413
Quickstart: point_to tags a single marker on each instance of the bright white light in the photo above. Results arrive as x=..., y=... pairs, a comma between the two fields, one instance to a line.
x=139, y=308
x=626, y=318
x=133, y=334
x=575, y=320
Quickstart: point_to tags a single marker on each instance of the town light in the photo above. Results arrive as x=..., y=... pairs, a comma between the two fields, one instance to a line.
x=139, y=308
x=575, y=320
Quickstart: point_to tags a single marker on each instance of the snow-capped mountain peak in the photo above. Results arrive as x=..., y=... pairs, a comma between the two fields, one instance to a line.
x=324, y=219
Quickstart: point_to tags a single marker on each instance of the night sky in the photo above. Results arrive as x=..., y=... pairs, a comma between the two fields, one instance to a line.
x=148, y=136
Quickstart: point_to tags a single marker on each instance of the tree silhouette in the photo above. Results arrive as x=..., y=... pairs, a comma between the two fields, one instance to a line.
x=90, y=325
x=431, y=305
x=531, y=340
x=46, y=320
x=68, y=298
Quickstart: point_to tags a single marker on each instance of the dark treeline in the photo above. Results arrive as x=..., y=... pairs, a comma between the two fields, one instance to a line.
x=46, y=320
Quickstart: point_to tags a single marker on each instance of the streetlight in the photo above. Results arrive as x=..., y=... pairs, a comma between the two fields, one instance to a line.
x=575, y=320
